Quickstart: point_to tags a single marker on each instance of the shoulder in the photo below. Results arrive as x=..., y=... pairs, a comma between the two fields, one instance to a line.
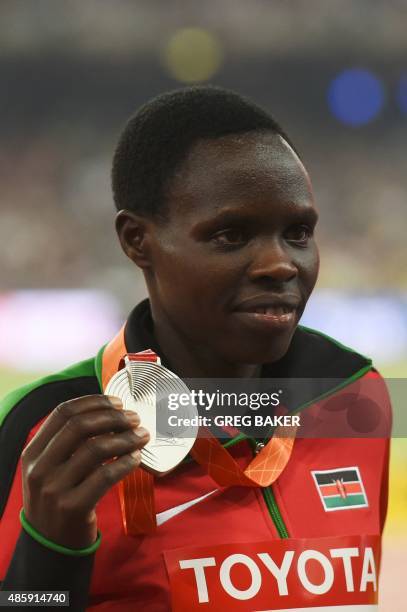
x=23, y=409
x=343, y=378
x=315, y=354
x=328, y=366
x=71, y=380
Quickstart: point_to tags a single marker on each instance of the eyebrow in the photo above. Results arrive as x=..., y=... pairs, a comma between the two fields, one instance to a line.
x=308, y=212
x=233, y=215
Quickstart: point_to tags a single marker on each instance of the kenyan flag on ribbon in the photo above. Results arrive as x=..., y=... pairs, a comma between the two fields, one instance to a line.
x=340, y=489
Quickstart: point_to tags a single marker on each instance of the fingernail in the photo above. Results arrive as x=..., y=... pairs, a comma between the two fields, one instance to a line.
x=141, y=432
x=136, y=454
x=115, y=401
x=132, y=416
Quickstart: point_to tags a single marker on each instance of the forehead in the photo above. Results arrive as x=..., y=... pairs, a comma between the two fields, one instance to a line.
x=260, y=167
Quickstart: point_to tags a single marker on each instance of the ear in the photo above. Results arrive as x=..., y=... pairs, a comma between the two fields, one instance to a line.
x=134, y=234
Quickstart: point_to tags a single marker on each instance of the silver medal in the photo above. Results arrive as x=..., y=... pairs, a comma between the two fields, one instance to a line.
x=144, y=386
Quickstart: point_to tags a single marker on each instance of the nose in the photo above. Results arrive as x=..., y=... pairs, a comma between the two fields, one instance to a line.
x=271, y=261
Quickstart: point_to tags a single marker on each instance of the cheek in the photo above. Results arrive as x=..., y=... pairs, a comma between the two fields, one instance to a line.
x=311, y=273
x=316, y=258
x=181, y=274
x=199, y=282
x=310, y=267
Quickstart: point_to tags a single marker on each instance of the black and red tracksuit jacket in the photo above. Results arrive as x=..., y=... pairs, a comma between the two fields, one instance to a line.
x=309, y=541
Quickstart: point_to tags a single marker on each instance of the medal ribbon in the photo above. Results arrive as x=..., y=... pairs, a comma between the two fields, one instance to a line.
x=262, y=471
x=136, y=491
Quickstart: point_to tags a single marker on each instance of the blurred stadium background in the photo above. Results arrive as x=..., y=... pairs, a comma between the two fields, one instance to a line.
x=333, y=73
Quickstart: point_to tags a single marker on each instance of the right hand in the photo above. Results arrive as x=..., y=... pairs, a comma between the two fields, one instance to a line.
x=85, y=446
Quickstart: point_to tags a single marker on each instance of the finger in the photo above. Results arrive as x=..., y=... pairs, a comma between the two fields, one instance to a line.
x=62, y=413
x=79, y=428
x=101, y=480
x=96, y=451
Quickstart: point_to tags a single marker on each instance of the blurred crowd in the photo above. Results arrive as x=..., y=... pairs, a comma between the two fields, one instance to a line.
x=72, y=73
x=101, y=27
x=57, y=216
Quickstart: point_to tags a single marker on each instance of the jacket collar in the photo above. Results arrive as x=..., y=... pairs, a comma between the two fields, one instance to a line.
x=311, y=354
x=319, y=364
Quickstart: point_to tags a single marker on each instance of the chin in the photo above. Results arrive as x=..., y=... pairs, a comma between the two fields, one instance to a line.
x=260, y=351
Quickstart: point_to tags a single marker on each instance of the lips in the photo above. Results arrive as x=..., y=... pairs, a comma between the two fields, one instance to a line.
x=269, y=312
x=269, y=304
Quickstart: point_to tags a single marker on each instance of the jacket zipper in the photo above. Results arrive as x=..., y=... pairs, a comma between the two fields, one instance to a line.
x=267, y=492
x=275, y=512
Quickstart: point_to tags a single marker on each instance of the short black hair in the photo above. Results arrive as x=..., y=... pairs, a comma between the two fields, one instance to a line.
x=158, y=137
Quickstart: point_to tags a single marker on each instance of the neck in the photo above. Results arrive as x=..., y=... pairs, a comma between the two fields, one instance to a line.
x=189, y=360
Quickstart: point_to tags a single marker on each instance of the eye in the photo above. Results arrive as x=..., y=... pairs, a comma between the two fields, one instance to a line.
x=230, y=237
x=300, y=234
